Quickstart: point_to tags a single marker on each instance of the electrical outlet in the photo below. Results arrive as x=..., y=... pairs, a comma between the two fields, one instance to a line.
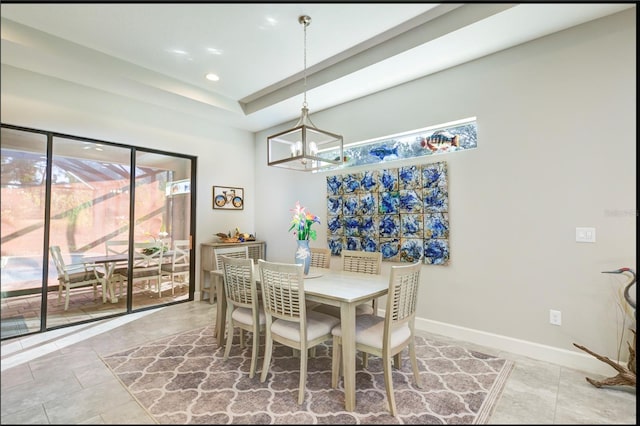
x=555, y=317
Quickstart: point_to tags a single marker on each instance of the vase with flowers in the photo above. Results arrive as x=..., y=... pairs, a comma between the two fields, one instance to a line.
x=301, y=226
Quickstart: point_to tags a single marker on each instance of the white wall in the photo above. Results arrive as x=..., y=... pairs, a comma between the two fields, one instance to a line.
x=556, y=151
x=224, y=155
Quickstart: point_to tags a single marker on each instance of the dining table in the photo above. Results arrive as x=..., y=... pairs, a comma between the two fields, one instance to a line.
x=338, y=288
x=110, y=262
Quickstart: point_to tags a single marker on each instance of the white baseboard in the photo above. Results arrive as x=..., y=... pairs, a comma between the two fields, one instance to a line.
x=570, y=359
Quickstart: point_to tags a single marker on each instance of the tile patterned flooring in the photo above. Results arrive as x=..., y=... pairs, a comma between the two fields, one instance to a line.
x=58, y=377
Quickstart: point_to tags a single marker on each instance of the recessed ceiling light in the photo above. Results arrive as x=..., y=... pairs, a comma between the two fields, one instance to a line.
x=212, y=77
x=271, y=21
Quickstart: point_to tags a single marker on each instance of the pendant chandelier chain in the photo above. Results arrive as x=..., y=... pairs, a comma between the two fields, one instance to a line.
x=305, y=23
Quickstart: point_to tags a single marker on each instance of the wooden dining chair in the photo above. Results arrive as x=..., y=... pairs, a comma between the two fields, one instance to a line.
x=244, y=310
x=75, y=276
x=287, y=320
x=366, y=262
x=320, y=257
x=178, y=269
x=147, y=264
x=119, y=270
x=241, y=252
x=387, y=337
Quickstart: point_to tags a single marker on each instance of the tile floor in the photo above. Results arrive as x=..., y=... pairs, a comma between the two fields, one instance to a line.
x=58, y=377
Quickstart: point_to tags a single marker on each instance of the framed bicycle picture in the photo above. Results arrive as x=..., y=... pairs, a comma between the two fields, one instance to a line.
x=228, y=198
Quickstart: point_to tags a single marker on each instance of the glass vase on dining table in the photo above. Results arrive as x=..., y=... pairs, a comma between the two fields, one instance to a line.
x=303, y=255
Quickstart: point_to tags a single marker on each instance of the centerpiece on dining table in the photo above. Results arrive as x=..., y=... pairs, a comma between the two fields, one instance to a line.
x=301, y=227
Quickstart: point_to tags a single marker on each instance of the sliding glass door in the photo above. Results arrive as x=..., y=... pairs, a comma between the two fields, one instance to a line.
x=90, y=193
x=22, y=201
x=57, y=266
x=161, y=217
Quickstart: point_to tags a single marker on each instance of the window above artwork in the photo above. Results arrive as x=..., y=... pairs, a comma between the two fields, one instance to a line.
x=444, y=138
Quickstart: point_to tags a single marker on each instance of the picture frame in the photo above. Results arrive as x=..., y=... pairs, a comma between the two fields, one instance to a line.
x=228, y=198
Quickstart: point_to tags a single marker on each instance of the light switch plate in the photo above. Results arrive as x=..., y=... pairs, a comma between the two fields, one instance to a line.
x=586, y=235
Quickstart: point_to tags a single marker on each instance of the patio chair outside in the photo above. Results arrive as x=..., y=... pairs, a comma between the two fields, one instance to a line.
x=75, y=276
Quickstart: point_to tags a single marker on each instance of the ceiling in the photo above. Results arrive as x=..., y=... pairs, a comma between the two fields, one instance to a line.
x=159, y=54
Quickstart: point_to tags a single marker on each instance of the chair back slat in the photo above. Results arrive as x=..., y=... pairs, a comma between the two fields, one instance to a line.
x=282, y=290
x=56, y=254
x=114, y=247
x=320, y=257
x=403, y=294
x=239, y=281
x=181, y=252
x=241, y=252
x=367, y=262
x=148, y=256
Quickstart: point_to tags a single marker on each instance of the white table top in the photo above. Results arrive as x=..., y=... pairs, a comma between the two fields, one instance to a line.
x=340, y=286
x=345, y=286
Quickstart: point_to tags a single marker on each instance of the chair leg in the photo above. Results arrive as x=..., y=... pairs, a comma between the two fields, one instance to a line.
x=213, y=288
x=268, y=347
x=397, y=360
x=304, y=354
x=120, y=284
x=254, y=352
x=388, y=383
x=336, y=361
x=66, y=299
x=365, y=359
x=104, y=289
x=414, y=363
x=227, y=348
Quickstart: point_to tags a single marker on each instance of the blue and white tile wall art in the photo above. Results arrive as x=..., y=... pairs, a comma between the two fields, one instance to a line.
x=401, y=212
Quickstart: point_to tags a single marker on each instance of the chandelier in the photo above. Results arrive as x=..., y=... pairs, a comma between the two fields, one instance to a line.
x=305, y=147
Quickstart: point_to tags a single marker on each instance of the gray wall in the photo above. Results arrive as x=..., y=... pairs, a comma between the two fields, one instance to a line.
x=556, y=151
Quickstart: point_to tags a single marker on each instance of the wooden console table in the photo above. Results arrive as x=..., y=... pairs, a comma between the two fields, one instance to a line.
x=257, y=250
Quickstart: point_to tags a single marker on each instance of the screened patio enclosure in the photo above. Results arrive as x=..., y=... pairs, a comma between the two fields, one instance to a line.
x=78, y=193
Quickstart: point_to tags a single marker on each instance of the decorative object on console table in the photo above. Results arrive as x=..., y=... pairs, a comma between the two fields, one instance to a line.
x=228, y=198
x=237, y=237
x=301, y=226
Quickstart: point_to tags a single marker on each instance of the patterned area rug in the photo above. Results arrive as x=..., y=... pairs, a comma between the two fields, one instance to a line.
x=183, y=379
